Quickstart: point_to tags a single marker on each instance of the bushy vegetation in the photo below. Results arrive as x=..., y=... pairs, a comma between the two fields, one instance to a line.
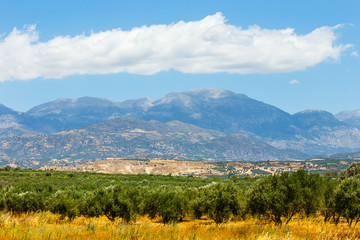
x=280, y=197
x=276, y=198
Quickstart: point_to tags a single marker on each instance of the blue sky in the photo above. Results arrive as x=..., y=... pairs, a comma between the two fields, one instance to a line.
x=130, y=49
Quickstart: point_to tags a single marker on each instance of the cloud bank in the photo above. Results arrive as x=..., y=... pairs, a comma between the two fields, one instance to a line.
x=206, y=46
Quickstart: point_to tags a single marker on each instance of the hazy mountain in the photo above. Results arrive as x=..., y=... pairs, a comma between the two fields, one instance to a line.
x=316, y=118
x=350, y=117
x=353, y=155
x=138, y=139
x=223, y=111
x=321, y=133
x=64, y=114
x=324, y=128
x=216, y=109
x=239, y=147
x=313, y=132
x=9, y=117
x=136, y=105
x=12, y=123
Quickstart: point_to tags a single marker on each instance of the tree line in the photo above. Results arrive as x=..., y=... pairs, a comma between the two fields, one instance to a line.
x=277, y=198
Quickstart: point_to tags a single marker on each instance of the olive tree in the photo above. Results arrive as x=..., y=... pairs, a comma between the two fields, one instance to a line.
x=219, y=201
x=280, y=197
x=347, y=200
x=352, y=171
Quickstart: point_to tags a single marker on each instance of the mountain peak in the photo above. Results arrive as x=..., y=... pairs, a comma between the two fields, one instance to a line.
x=314, y=111
x=210, y=92
x=6, y=110
x=65, y=104
x=313, y=117
x=142, y=103
x=350, y=117
x=187, y=98
x=348, y=114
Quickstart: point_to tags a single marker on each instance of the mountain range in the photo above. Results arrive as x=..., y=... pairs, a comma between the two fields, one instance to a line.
x=129, y=138
x=232, y=120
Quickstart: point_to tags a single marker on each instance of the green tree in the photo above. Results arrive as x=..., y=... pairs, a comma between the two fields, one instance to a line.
x=152, y=203
x=7, y=168
x=219, y=201
x=119, y=207
x=310, y=191
x=65, y=206
x=347, y=200
x=171, y=205
x=224, y=201
x=352, y=171
x=118, y=204
x=280, y=197
x=95, y=203
x=328, y=209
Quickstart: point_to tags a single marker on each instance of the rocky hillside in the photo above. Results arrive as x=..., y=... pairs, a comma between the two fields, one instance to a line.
x=354, y=156
x=313, y=132
x=131, y=138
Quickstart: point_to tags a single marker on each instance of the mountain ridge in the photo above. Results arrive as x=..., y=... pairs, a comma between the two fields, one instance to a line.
x=131, y=138
x=350, y=117
x=314, y=132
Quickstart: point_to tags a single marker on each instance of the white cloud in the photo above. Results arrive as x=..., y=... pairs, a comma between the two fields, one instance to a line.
x=354, y=54
x=206, y=46
x=294, y=81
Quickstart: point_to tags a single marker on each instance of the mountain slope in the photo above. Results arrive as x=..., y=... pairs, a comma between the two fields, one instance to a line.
x=137, y=139
x=323, y=133
x=223, y=111
x=313, y=132
x=350, y=117
x=353, y=155
x=64, y=114
x=12, y=123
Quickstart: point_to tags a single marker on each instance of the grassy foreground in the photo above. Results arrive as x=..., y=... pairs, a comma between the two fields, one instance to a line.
x=46, y=225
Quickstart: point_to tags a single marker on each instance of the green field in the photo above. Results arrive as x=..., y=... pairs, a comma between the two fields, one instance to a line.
x=275, y=198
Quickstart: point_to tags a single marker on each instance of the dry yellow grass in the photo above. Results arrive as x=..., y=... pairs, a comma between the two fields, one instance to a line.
x=45, y=225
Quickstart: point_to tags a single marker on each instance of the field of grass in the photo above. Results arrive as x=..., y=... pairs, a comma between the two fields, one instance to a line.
x=45, y=225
